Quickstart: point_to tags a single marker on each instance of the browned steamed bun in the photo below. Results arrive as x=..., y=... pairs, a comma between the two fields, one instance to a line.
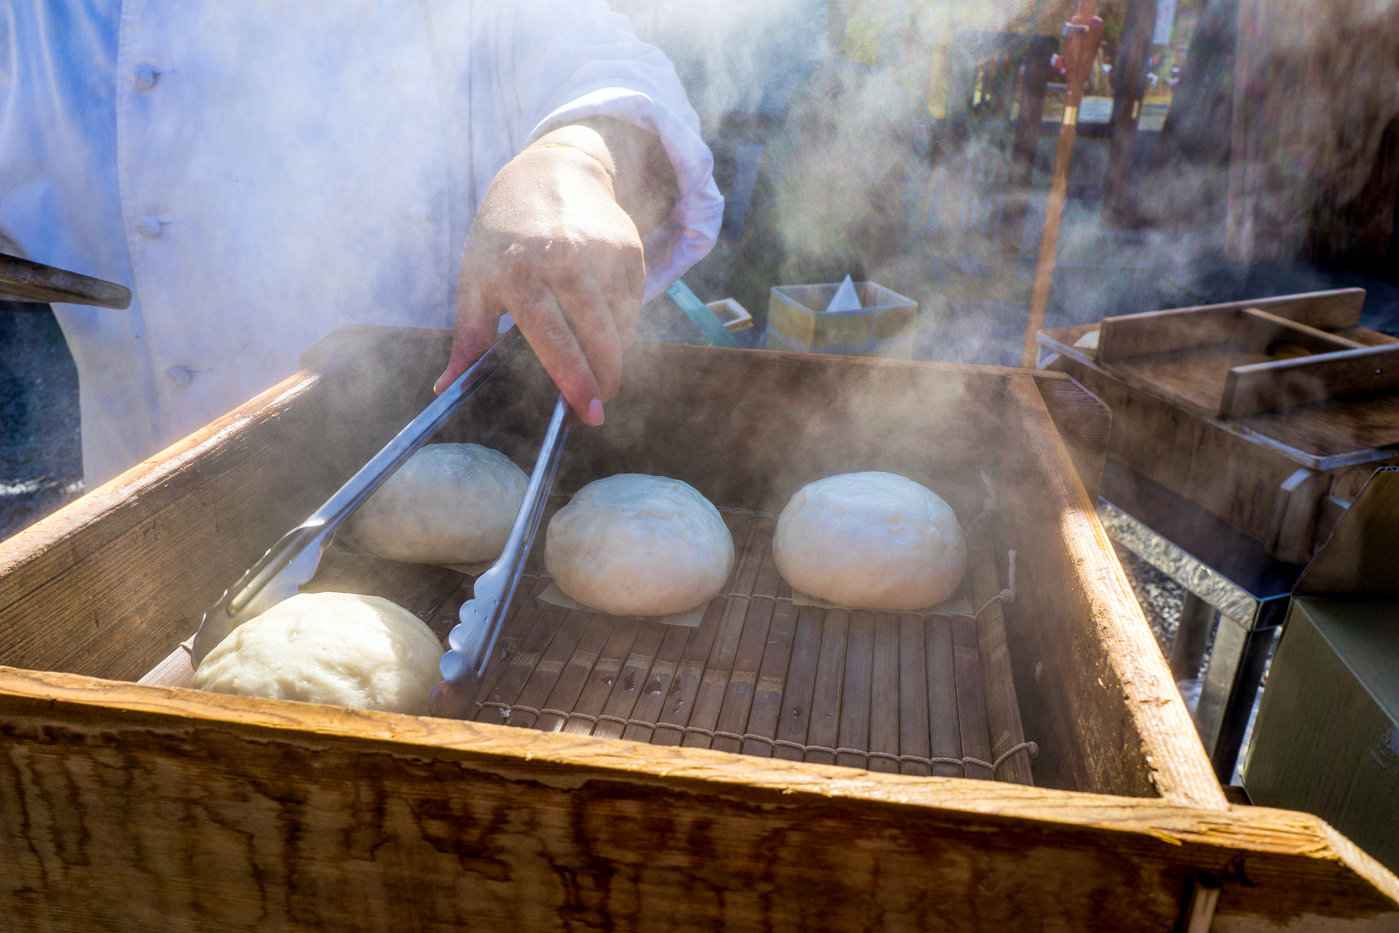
x=639, y=545
x=870, y=541
x=340, y=648
x=449, y=504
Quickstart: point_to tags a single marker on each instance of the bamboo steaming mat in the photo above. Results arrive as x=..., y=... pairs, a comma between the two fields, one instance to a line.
x=762, y=675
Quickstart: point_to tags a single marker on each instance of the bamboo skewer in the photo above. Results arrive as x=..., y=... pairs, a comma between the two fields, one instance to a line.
x=1082, y=34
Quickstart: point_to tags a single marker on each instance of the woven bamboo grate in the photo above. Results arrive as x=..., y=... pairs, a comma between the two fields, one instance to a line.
x=918, y=693
x=922, y=693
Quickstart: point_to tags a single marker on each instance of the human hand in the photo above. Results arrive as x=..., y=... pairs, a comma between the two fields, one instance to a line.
x=552, y=246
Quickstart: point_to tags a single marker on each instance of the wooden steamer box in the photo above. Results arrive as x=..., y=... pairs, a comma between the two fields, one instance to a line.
x=129, y=806
x=1270, y=413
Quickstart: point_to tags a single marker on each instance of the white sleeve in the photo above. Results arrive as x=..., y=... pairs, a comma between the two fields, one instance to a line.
x=587, y=63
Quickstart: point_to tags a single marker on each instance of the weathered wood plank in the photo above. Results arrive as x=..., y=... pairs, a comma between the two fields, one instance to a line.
x=605, y=670
x=569, y=684
x=650, y=704
x=971, y=700
x=942, y=698
x=884, y=693
x=91, y=588
x=155, y=808
x=743, y=677
x=537, y=623
x=1265, y=329
x=856, y=684
x=1131, y=335
x=823, y=730
x=684, y=413
x=1122, y=658
x=1084, y=422
x=523, y=708
x=633, y=682
x=713, y=685
x=766, y=712
x=1261, y=387
x=1320, y=436
x=680, y=701
x=1293, y=533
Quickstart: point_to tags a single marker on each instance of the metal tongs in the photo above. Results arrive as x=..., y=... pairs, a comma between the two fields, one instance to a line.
x=293, y=560
x=482, y=616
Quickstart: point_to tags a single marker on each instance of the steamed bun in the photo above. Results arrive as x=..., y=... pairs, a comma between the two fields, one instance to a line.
x=449, y=504
x=870, y=541
x=340, y=648
x=633, y=544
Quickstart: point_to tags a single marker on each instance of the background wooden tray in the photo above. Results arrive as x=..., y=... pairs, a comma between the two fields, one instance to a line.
x=1205, y=406
x=1268, y=355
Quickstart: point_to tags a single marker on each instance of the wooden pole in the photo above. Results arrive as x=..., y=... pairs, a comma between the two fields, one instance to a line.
x=1082, y=34
x=1240, y=225
x=1127, y=97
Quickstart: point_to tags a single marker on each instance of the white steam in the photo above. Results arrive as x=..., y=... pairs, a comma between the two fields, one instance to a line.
x=849, y=183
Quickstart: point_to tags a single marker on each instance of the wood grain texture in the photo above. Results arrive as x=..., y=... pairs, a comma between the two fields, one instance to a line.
x=67, y=580
x=1200, y=459
x=801, y=684
x=1131, y=335
x=1166, y=428
x=1002, y=705
x=1294, y=530
x=90, y=589
x=1261, y=387
x=158, y=808
x=1263, y=329
x=684, y=413
x=1122, y=655
x=1322, y=436
x=25, y=280
x=1084, y=422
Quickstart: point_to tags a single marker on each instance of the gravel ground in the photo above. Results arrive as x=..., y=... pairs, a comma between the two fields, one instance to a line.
x=1159, y=595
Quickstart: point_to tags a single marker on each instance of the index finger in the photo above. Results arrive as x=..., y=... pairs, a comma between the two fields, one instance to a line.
x=541, y=321
x=473, y=334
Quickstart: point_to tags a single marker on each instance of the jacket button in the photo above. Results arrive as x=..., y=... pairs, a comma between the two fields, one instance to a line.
x=179, y=376
x=144, y=77
x=147, y=226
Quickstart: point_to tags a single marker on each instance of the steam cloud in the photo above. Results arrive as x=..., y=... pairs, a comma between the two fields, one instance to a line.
x=849, y=185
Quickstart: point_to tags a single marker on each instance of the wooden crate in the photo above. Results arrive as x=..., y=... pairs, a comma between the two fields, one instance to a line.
x=129, y=806
x=1270, y=413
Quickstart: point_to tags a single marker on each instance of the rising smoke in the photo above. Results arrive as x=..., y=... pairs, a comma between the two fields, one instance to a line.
x=860, y=174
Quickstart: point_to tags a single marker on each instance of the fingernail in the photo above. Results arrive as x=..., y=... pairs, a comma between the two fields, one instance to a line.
x=595, y=412
x=438, y=386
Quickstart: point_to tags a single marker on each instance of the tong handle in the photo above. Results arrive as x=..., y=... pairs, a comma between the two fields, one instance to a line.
x=482, y=617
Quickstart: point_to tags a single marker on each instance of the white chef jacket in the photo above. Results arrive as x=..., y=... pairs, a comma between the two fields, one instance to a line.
x=262, y=172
